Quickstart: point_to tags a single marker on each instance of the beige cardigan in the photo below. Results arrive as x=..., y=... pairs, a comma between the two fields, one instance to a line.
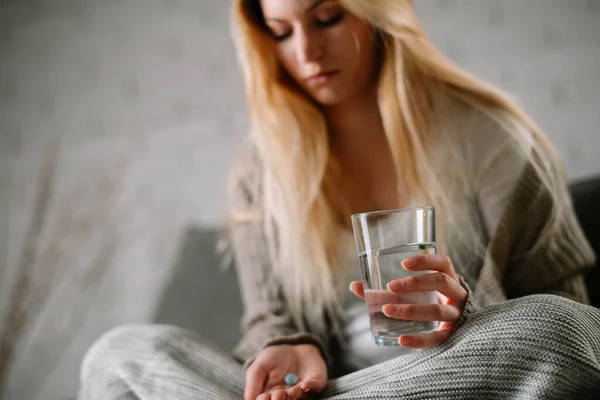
x=515, y=264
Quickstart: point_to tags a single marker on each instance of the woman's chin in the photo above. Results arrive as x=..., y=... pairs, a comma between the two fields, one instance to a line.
x=328, y=97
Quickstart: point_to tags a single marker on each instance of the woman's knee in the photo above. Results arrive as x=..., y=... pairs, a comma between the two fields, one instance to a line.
x=538, y=315
x=549, y=305
x=126, y=345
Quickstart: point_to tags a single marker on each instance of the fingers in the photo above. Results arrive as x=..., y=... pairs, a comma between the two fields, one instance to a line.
x=358, y=289
x=294, y=392
x=428, y=340
x=422, y=312
x=290, y=393
x=313, y=385
x=441, y=282
x=279, y=395
x=446, y=325
x=442, y=299
x=430, y=262
x=256, y=377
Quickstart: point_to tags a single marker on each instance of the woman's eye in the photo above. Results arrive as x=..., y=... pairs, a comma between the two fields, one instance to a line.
x=321, y=23
x=281, y=37
x=330, y=21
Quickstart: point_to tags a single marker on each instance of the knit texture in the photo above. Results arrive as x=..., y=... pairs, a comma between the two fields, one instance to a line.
x=511, y=202
x=530, y=347
x=534, y=347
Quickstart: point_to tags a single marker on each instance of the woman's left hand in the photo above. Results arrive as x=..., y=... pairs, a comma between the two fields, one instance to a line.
x=453, y=298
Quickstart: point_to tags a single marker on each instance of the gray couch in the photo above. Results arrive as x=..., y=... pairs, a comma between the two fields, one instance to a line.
x=202, y=296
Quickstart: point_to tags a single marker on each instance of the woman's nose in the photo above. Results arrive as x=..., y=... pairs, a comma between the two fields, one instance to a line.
x=309, y=47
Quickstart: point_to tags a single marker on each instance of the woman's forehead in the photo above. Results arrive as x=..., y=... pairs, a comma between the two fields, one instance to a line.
x=291, y=7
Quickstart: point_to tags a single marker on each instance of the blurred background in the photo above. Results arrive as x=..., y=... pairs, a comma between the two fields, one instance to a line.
x=118, y=120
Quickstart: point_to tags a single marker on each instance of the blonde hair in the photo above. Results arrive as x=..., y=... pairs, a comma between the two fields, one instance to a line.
x=300, y=205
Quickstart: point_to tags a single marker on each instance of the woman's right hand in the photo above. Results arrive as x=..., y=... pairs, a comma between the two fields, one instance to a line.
x=265, y=376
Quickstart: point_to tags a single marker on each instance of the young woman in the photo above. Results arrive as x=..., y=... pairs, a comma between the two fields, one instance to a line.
x=353, y=109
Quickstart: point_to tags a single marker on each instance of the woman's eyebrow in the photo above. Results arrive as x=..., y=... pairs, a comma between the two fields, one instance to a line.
x=315, y=5
x=309, y=9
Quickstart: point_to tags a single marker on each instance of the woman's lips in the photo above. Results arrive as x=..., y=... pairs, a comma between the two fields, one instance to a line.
x=322, y=77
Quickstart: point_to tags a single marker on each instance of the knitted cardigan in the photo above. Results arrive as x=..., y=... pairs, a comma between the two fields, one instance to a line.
x=515, y=262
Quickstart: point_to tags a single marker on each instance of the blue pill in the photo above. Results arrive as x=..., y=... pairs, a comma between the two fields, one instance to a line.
x=291, y=379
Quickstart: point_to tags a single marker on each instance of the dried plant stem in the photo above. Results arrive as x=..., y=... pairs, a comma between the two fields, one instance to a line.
x=22, y=295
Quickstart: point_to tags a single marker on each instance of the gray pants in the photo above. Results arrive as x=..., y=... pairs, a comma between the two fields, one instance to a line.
x=529, y=348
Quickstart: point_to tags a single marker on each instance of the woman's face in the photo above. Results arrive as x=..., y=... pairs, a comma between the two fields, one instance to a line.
x=330, y=53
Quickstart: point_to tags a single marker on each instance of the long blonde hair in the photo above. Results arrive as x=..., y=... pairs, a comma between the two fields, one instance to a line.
x=300, y=205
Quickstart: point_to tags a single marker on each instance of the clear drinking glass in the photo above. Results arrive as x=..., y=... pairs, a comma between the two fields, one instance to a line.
x=383, y=240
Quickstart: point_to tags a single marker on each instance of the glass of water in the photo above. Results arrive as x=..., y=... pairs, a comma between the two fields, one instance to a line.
x=383, y=240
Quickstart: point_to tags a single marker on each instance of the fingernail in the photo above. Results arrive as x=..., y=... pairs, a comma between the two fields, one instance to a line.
x=409, y=262
x=395, y=286
x=389, y=309
x=405, y=341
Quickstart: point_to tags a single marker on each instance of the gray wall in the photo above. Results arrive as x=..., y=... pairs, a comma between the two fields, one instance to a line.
x=131, y=110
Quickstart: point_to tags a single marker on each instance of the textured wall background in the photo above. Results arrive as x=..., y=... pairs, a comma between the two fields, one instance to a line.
x=129, y=112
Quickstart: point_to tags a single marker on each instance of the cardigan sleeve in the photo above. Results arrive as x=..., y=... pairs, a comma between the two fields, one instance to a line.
x=531, y=249
x=545, y=258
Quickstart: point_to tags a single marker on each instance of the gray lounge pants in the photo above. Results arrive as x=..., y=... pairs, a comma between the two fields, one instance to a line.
x=529, y=348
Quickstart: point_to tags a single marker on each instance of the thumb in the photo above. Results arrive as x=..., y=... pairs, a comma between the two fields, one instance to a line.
x=256, y=377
